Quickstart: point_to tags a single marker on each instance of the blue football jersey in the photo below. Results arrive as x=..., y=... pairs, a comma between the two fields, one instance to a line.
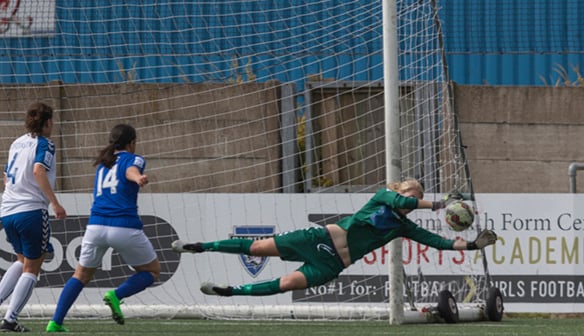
x=115, y=198
x=22, y=193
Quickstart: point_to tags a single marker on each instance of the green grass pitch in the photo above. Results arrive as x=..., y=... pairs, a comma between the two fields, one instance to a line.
x=507, y=327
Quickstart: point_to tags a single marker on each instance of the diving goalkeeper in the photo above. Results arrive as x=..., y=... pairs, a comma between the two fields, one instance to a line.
x=327, y=251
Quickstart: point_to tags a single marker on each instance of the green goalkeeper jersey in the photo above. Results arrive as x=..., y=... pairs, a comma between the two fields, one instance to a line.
x=378, y=222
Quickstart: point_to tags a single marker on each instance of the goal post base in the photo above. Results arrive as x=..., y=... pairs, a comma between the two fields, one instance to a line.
x=431, y=315
x=267, y=312
x=292, y=312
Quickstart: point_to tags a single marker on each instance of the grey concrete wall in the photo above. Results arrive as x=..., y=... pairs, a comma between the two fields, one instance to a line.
x=522, y=139
x=519, y=139
x=189, y=130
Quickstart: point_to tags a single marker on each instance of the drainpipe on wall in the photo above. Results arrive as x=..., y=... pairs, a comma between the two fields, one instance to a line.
x=572, y=171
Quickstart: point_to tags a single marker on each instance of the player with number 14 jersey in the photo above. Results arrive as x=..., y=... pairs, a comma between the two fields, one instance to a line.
x=113, y=223
x=115, y=197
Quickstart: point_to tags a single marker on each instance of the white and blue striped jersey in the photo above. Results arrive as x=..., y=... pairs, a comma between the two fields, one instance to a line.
x=22, y=193
x=115, y=198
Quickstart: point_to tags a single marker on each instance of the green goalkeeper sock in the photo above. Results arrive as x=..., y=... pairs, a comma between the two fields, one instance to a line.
x=259, y=288
x=236, y=245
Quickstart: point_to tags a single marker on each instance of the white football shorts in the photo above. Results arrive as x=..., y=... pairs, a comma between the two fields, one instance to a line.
x=132, y=245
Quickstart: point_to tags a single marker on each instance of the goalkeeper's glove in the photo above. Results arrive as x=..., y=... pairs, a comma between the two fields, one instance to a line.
x=446, y=200
x=485, y=238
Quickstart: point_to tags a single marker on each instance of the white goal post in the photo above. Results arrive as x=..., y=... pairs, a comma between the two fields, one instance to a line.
x=254, y=117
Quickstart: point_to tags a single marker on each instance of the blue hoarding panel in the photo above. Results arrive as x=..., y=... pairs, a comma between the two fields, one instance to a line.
x=496, y=42
x=512, y=42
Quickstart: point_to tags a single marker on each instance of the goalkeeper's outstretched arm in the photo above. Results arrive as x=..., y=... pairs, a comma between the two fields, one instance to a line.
x=441, y=204
x=484, y=238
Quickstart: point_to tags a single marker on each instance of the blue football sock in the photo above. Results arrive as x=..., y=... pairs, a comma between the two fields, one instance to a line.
x=135, y=284
x=68, y=296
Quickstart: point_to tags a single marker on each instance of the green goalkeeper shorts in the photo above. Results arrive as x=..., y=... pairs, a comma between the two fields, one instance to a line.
x=314, y=247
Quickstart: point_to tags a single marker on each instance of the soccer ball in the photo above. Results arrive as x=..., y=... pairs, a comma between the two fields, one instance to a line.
x=459, y=215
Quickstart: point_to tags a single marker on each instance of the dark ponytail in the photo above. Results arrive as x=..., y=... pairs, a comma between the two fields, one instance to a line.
x=120, y=137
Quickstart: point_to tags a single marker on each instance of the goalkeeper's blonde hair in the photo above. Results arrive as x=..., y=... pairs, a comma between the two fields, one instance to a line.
x=407, y=185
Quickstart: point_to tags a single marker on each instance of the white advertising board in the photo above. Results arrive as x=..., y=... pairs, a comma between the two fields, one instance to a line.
x=537, y=263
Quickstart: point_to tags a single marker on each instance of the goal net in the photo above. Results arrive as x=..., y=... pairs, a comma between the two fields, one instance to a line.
x=255, y=118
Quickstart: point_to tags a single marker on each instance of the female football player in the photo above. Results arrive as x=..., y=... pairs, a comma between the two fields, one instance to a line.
x=327, y=251
x=113, y=222
x=29, y=179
